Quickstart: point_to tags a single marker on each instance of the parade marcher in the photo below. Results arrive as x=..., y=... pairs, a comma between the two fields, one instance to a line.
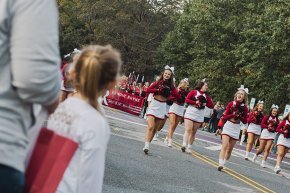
x=194, y=114
x=150, y=97
x=163, y=89
x=254, y=128
x=269, y=125
x=80, y=119
x=283, y=144
x=176, y=110
x=236, y=112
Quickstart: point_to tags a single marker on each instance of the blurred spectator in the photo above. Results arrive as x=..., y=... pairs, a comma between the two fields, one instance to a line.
x=30, y=74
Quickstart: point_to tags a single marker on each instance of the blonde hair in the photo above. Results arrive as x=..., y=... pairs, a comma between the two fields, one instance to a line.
x=182, y=84
x=96, y=67
x=245, y=101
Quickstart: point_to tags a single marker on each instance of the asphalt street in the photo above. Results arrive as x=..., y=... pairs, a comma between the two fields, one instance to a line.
x=168, y=170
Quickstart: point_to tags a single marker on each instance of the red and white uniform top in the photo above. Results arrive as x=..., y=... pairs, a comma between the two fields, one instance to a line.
x=282, y=126
x=155, y=88
x=255, y=118
x=269, y=120
x=236, y=110
x=182, y=96
x=193, y=96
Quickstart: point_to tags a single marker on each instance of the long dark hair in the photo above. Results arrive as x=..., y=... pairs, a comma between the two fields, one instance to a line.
x=199, y=86
x=170, y=81
x=270, y=113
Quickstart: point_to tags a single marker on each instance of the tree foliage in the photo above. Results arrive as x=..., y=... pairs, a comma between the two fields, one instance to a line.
x=233, y=42
x=135, y=27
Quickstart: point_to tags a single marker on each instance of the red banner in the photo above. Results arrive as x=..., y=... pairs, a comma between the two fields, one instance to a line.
x=124, y=101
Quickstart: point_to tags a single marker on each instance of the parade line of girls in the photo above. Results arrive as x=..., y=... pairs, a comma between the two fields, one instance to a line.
x=236, y=114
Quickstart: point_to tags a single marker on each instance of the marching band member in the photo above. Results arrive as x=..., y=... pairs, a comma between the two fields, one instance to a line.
x=194, y=114
x=236, y=112
x=269, y=125
x=254, y=128
x=176, y=110
x=283, y=143
x=163, y=89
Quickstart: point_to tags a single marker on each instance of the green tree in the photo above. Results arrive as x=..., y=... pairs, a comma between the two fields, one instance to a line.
x=135, y=27
x=232, y=42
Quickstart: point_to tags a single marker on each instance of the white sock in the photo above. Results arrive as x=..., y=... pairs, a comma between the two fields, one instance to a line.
x=189, y=146
x=247, y=154
x=185, y=138
x=225, y=161
x=263, y=161
x=242, y=139
x=169, y=140
x=221, y=162
x=255, y=157
x=147, y=144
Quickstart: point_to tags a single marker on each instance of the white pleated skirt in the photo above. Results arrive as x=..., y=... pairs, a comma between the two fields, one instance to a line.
x=266, y=135
x=283, y=141
x=157, y=109
x=194, y=114
x=232, y=130
x=176, y=109
x=254, y=128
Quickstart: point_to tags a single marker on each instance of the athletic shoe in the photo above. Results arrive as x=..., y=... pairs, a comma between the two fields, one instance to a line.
x=166, y=140
x=146, y=149
x=169, y=143
x=188, y=150
x=254, y=158
x=220, y=168
x=183, y=148
x=155, y=137
x=277, y=169
x=263, y=165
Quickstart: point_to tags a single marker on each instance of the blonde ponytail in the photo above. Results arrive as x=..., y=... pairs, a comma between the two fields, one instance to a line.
x=96, y=67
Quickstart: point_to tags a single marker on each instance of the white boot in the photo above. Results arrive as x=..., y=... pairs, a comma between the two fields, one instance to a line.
x=188, y=149
x=146, y=148
x=242, y=139
x=254, y=158
x=263, y=164
x=221, y=164
x=247, y=155
x=277, y=169
x=169, y=143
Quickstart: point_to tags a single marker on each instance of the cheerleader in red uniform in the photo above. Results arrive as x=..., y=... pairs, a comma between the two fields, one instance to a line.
x=236, y=112
x=194, y=114
x=163, y=89
x=176, y=110
x=269, y=125
x=283, y=143
x=254, y=128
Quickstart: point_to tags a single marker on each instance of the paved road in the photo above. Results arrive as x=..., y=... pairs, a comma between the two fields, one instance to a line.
x=129, y=170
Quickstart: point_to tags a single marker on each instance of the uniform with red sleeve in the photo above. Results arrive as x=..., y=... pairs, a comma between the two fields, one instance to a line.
x=254, y=121
x=197, y=101
x=157, y=108
x=178, y=106
x=284, y=138
x=269, y=125
x=236, y=112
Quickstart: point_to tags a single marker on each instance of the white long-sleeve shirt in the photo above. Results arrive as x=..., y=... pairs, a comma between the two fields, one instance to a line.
x=78, y=120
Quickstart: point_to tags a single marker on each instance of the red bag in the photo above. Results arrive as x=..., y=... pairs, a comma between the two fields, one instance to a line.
x=50, y=158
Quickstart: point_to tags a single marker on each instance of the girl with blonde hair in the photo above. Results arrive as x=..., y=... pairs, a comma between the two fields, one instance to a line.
x=80, y=118
x=236, y=112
